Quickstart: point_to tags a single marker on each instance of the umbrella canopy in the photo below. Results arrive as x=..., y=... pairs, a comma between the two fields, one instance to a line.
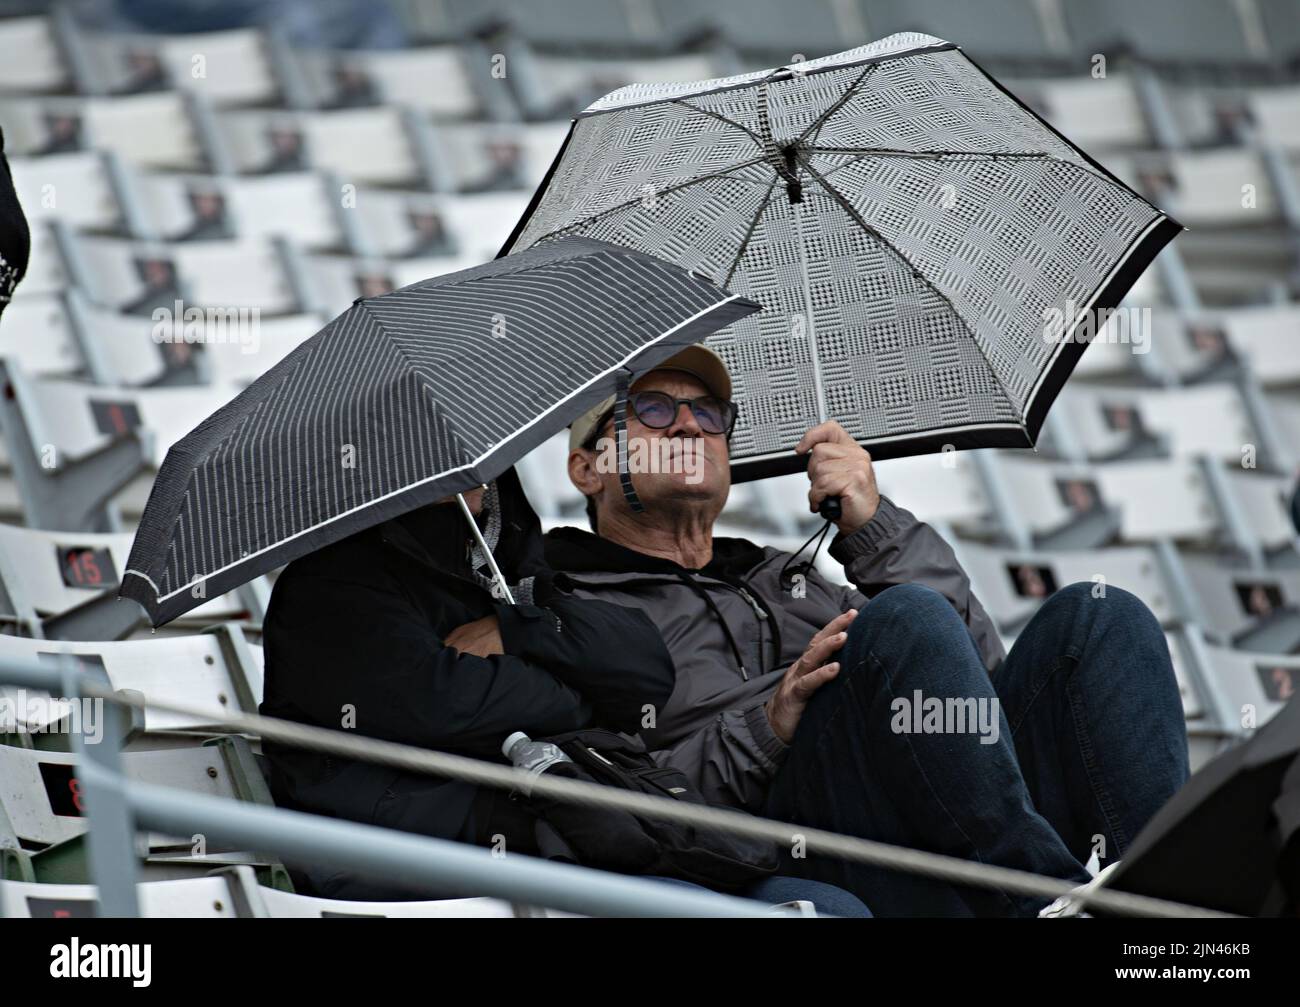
x=405, y=399
x=1222, y=840
x=912, y=231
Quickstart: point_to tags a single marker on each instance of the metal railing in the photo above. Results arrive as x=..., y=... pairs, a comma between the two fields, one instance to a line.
x=116, y=806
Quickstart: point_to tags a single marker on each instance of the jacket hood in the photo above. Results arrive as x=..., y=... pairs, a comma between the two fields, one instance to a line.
x=441, y=533
x=572, y=550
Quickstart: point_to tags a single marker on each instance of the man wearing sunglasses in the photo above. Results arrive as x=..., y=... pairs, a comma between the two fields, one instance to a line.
x=788, y=689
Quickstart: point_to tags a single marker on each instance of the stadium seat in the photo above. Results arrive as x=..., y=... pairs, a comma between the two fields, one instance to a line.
x=338, y=280
x=1115, y=422
x=33, y=57
x=577, y=23
x=1206, y=344
x=1092, y=112
x=1006, y=31
x=1012, y=583
x=947, y=488
x=288, y=905
x=41, y=818
x=558, y=86
x=482, y=223
x=1274, y=112
x=63, y=586
x=73, y=447
x=183, y=898
x=1248, y=609
x=140, y=277
x=300, y=206
x=212, y=671
x=1205, y=32
x=360, y=145
x=1253, y=687
x=38, y=333
x=401, y=77
x=76, y=188
x=494, y=157
x=152, y=130
x=46, y=271
x=403, y=224
x=228, y=68
x=234, y=892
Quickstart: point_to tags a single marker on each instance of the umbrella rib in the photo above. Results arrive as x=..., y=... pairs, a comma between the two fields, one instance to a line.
x=837, y=105
x=934, y=155
x=848, y=208
x=749, y=233
x=721, y=118
x=673, y=188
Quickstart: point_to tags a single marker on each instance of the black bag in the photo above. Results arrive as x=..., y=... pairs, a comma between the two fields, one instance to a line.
x=617, y=840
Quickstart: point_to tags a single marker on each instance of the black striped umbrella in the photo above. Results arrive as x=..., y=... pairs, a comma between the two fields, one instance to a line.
x=405, y=399
x=929, y=253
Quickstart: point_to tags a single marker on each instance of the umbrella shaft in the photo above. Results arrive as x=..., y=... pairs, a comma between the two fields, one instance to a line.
x=492, y=563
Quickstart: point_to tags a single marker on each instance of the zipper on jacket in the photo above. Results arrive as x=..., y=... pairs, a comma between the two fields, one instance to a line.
x=758, y=609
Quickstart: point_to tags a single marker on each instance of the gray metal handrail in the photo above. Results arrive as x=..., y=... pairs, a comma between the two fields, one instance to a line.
x=115, y=806
x=823, y=842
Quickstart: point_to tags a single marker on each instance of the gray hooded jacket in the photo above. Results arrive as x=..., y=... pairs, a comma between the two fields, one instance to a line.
x=714, y=727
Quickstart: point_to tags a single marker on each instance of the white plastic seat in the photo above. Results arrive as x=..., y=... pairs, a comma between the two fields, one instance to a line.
x=339, y=279
x=233, y=275
x=46, y=573
x=33, y=58
x=213, y=672
x=39, y=804
x=363, y=145
x=180, y=898
x=395, y=224
x=1199, y=420
x=1011, y=584
x=1258, y=684
x=489, y=157
x=1159, y=498
x=482, y=223
x=226, y=67
x=1234, y=601
x=566, y=84
x=1275, y=111
x=943, y=487
x=290, y=905
x=398, y=77
x=73, y=187
x=1092, y=112
x=37, y=332
x=1265, y=506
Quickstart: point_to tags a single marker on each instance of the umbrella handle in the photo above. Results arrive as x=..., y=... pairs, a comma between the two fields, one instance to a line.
x=830, y=509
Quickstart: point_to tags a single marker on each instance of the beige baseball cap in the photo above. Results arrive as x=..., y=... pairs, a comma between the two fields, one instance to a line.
x=698, y=361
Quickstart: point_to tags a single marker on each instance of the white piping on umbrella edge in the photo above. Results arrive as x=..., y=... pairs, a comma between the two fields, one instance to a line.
x=159, y=599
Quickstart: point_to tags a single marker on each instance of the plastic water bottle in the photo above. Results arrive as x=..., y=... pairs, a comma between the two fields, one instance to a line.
x=535, y=756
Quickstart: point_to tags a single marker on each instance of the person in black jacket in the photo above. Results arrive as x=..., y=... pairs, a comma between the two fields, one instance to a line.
x=395, y=633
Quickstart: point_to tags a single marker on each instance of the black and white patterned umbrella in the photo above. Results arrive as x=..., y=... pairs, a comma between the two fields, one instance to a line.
x=909, y=227
x=405, y=399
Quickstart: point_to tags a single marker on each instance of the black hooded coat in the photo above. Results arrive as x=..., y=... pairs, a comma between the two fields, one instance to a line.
x=354, y=639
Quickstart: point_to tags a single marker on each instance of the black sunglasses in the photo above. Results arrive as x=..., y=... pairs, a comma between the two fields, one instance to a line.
x=658, y=411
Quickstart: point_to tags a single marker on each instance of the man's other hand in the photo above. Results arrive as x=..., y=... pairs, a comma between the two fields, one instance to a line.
x=808, y=674
x=482, y=637
x=838, y=466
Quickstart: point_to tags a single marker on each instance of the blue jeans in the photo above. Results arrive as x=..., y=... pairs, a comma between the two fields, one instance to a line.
x=826, y=899
x=1084, y=743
